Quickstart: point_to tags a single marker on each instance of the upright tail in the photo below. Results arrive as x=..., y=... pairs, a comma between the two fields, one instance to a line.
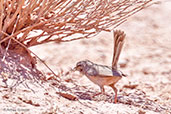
x=119, y=37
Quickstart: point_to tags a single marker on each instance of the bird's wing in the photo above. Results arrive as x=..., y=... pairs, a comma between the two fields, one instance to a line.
x=100, y=70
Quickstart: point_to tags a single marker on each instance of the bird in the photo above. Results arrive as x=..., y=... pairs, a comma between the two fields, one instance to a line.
x=103, y=75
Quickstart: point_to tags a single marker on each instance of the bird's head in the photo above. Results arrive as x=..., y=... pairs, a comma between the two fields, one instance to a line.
x=81, y=66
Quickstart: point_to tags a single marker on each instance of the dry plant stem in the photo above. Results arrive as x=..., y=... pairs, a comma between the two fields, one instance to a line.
x=10, y=40
x=23, y=30
x=64, y=20
x=33, y=54
x=6, y=50
x=1, y=16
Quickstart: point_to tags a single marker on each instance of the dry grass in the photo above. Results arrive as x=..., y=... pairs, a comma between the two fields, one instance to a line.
x=61, y=20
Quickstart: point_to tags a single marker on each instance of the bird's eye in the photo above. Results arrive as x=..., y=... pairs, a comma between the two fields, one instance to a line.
x=80, y=68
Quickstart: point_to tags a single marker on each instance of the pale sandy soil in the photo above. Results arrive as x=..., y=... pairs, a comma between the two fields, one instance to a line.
x=146, y=58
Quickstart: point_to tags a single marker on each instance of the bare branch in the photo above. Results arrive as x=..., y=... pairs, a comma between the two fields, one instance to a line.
x=63, y=20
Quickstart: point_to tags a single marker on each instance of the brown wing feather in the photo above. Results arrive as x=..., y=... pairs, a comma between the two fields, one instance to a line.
x=119, y=37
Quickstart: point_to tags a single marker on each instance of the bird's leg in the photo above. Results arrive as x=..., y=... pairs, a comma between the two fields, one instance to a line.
x=115, y=90
x=102, y=90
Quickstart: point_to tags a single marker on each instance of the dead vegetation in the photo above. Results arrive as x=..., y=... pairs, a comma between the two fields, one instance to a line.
x=61, y=20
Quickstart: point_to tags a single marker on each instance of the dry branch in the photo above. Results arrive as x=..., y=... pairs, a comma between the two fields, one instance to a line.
x=42, y=21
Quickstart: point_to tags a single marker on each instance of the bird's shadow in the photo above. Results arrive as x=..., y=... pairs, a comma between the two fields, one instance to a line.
x=91, y=95
x=83, y=93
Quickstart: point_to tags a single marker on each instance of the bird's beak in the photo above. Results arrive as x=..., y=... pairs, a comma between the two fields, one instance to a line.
x=74, y=69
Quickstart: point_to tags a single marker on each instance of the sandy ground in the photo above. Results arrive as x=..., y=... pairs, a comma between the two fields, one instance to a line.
x=146, y=58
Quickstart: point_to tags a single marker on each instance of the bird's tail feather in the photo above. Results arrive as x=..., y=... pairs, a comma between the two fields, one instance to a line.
x=119, y=37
